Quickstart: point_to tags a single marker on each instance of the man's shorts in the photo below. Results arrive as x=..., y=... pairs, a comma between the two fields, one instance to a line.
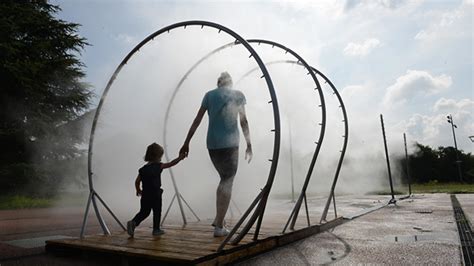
x=225, y=161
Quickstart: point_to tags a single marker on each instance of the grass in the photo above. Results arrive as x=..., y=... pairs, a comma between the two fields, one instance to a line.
x=430, y=187
x=435, y=187
x=26, y=202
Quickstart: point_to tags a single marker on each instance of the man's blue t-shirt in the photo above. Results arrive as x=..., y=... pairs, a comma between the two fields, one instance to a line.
x=223, y=106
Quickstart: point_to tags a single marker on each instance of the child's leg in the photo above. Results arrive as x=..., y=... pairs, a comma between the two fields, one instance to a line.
x=157, y=211
x=145, y=209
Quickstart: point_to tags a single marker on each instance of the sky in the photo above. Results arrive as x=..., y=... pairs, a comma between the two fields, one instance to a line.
x=408, y=60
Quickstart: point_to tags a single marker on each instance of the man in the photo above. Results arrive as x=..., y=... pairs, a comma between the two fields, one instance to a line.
x=223, y=105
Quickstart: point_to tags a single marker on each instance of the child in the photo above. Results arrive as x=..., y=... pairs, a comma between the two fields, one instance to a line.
x=150, y=176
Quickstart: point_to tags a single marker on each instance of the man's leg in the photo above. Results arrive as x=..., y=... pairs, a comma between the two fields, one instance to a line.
x=223, y=196
x=225, y=161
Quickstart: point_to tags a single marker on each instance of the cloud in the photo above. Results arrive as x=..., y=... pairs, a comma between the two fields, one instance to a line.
x=446, y=105
x=126, y=39
x=361, y=49
x=381, y=5
x=416, y=83
x=448, y=24
x=390, y=4
x=435, y=131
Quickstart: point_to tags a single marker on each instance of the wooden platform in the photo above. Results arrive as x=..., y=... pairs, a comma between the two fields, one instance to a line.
x=193, y=244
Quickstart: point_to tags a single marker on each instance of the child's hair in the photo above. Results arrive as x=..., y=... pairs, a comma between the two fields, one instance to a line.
x=153, y=152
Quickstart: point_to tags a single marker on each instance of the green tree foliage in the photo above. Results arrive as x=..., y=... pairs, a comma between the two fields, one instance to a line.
x=427, y=164
x=41, y=90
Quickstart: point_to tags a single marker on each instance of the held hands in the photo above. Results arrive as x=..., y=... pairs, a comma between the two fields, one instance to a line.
x=139, y=192
x=248, y=153
x=183, y=152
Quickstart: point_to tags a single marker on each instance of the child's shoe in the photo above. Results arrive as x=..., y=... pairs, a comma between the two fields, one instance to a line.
x=131, y=228
x=218, y=232
x=158, y=232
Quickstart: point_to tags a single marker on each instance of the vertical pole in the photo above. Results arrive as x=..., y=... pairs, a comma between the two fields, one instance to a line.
x=99, y=217
x=168, y=210
x=84, y=222
x=458, y=162
x=407, y=165
x=178, y=197
x=307, y=210
x=291, y=165
x=388, y=161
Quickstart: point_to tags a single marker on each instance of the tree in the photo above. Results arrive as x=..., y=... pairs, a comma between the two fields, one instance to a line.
x=41, y=90
x=428, y=164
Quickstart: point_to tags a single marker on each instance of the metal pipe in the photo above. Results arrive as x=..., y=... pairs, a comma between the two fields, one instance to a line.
x=168, y=209
x=167, y=115
x=344, y=146
x=407, y=164
x=195, y=215
x=261, y=206
x=86, y=213
x=266, y=75
x=388, y=161
x=291, y=164
x=458, y=162
x=307, y=211
x=241, y=220
x=102, y=223
x=346, y=135
x=110, y=211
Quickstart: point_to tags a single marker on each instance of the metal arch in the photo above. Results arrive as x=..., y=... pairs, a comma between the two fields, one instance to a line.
x=266, y=75
x=344, y=146
x=318, y=146
x=294, y=215
x=346, y=128
x=262, y=203
x=178, y=195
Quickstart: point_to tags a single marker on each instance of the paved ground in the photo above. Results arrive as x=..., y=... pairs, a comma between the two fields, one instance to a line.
x=417, y=231
x=420, y=230
x=467, y=203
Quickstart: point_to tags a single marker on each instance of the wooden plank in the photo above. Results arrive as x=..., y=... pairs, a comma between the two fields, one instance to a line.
x=152, y=245
x=125, y=251
x=193, y=244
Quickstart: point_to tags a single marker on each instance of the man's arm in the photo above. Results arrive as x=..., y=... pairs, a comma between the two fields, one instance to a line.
x=173, y=162
x=197, y=120
x=245, y=128
x=137, y=185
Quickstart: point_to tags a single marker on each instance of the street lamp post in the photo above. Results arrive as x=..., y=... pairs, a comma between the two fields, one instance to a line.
x=458, y=162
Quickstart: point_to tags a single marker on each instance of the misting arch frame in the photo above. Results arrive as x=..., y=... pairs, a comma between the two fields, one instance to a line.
x=259, y=210
x=276, y=118
x=302, y=196
x=263, y=196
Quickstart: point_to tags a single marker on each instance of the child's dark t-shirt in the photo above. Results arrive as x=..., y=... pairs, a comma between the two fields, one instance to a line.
x=151, y=179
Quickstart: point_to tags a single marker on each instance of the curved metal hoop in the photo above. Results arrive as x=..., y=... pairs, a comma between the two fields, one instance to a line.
x=346, y=128
x=276, y=115
x=260, y=209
